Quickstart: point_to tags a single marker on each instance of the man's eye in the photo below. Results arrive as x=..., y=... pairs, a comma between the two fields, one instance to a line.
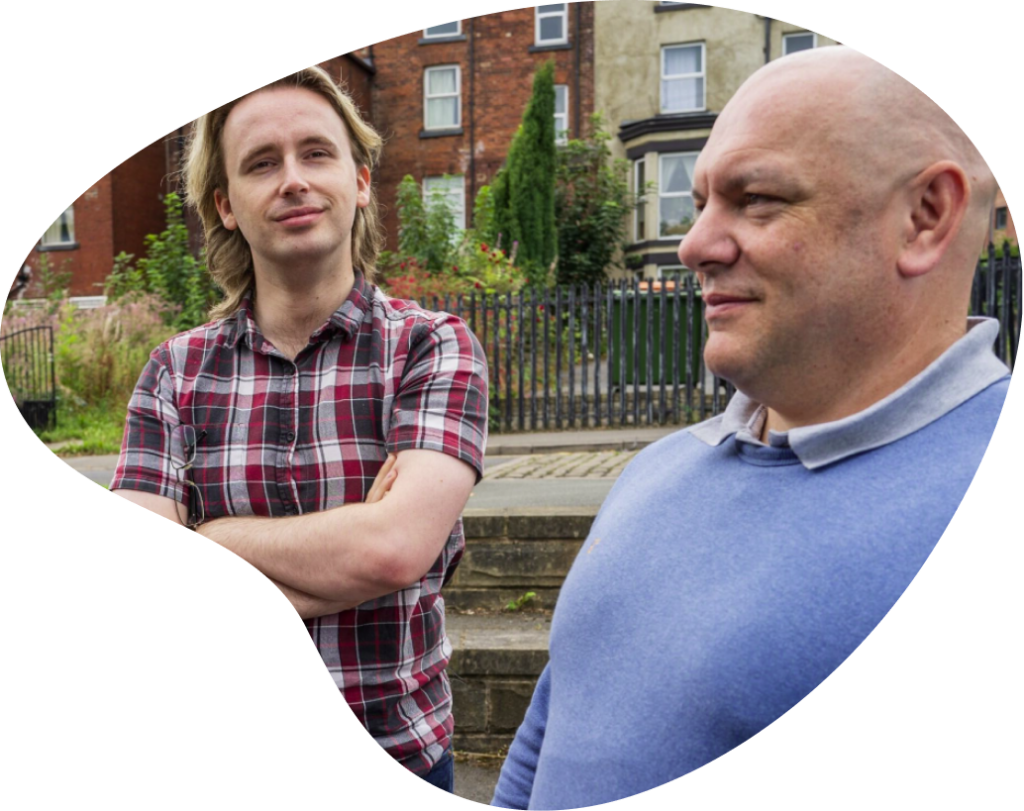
x=754, y=199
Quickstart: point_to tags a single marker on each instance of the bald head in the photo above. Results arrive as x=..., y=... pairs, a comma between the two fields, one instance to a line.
x=868, y=117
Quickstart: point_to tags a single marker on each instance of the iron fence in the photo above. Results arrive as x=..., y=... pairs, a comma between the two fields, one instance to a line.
x=631, y=352
x=28, y=366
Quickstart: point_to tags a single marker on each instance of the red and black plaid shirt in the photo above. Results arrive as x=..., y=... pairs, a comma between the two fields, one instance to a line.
x=285, y=437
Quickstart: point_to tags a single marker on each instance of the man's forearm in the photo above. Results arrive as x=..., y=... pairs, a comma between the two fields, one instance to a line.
x=308, y=606
x=337, y=556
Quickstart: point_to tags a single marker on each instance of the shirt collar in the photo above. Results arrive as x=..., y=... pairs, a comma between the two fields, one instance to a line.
x=346, y=319
x=963, y=370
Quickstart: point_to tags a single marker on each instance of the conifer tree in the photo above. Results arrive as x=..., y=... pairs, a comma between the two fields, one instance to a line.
x=524, y=189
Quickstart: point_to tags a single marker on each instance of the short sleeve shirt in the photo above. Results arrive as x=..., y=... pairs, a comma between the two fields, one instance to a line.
x=286, y=437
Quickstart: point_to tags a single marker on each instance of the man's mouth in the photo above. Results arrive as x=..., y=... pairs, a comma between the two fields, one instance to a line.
x=717, y=305
x=298, y=216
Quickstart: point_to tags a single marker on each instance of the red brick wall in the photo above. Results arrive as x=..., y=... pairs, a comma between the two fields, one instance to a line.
x=137, y=191
x=494, y=94
x=355, y=75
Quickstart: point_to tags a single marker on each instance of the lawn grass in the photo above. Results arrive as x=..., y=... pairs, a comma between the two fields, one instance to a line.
x=90, y=431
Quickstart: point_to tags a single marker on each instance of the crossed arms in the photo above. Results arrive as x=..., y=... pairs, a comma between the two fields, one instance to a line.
x=329, y=561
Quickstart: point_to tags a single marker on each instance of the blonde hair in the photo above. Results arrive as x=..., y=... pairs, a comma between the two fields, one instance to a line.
x=228, y=255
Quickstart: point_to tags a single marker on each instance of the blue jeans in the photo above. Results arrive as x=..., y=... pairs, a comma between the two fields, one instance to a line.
x=443, y=774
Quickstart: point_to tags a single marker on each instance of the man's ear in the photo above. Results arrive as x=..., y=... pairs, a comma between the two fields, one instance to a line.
x=938, y=197
x=224, y=209
x=362, y=186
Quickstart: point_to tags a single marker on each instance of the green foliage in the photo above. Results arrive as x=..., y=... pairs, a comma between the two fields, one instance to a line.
x=53, y=283
x=87, y=430
x=169, y=270
x=524, y=189
x=520, y=602
x=427, y=229
x=592, y=201
x=483, y=212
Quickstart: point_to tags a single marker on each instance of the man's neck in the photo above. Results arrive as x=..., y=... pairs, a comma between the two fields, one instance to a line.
x=860, y=388
x=288, y=309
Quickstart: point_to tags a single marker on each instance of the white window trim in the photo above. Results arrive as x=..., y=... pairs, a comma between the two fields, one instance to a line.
x=702, y=74
x=69, y=214
x=663, y=195
x=788, y=35
x=459, y=192
x=641, y=199
x=562, y=133
x=538, y=16
x=458, y=31
x=661, y=271
x=457, y=95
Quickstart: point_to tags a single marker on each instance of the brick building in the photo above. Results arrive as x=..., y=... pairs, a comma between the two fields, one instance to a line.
x=114, y=215
x=448, y=99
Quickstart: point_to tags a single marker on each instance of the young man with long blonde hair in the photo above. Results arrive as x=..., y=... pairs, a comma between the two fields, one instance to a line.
x=307, y=425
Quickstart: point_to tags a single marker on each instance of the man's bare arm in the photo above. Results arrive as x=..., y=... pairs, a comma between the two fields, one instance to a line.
x=359, y=552
x=307, y=605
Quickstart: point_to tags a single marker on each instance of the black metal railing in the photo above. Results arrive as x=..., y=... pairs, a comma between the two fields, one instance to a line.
x=631, y=352
x=28, y=366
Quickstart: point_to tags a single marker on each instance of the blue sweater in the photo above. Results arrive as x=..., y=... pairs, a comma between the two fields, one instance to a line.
x=719, y=585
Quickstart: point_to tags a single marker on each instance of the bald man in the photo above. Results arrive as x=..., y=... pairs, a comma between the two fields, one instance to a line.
x=737, y=563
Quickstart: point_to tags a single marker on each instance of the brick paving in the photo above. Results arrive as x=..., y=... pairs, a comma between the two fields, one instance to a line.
x=576, y=465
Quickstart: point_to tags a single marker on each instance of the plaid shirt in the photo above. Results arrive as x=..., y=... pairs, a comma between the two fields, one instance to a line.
x=284, y=437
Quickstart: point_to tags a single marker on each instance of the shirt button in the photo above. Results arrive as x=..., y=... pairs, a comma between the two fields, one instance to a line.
x=288, y=436
x=289, y=508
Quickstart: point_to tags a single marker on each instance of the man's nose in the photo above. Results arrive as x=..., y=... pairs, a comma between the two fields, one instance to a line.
x=293, y=180
x=709, y=244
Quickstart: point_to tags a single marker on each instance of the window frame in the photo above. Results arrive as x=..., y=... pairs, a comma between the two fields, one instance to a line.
x=67, y=220
x=639, y=184
x=538, y=15
x=457, y=95
x=703, y=77
x=562, y=135
x=792, y=34
x=1004, y=213
x=673, y=195
x=449, y=191
x=457, y=33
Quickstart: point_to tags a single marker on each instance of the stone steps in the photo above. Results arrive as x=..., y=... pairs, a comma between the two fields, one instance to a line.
x=498, y=656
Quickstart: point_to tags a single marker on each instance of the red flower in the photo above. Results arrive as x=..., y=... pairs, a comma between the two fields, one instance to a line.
x=455, y=268
x=541, y=308
x=477, y=285
x=402, y=266
x=483, y=246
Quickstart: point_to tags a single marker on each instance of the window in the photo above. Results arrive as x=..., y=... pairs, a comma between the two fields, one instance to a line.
x=454, y=190
x=561, y=114
x=804, y=41
x=442, y=92
x=682, y=78
x=446, y=30
x=640, y=212
x=1001, y=218
x=672, y=272
x=675, y=194
x=551, y=27
x=62, y=232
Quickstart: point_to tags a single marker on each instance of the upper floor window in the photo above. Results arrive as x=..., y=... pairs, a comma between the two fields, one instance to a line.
x=675, y=194
x=62, y=232
x=561, y=114
x=442, y=96
x=682, y=78
x=551, y=26
x=804, y=41
x=453, y=189
x=1001, y=218
x=447, y=30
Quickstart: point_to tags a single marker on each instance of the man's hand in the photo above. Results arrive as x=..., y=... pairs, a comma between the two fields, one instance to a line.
x=385, y=478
